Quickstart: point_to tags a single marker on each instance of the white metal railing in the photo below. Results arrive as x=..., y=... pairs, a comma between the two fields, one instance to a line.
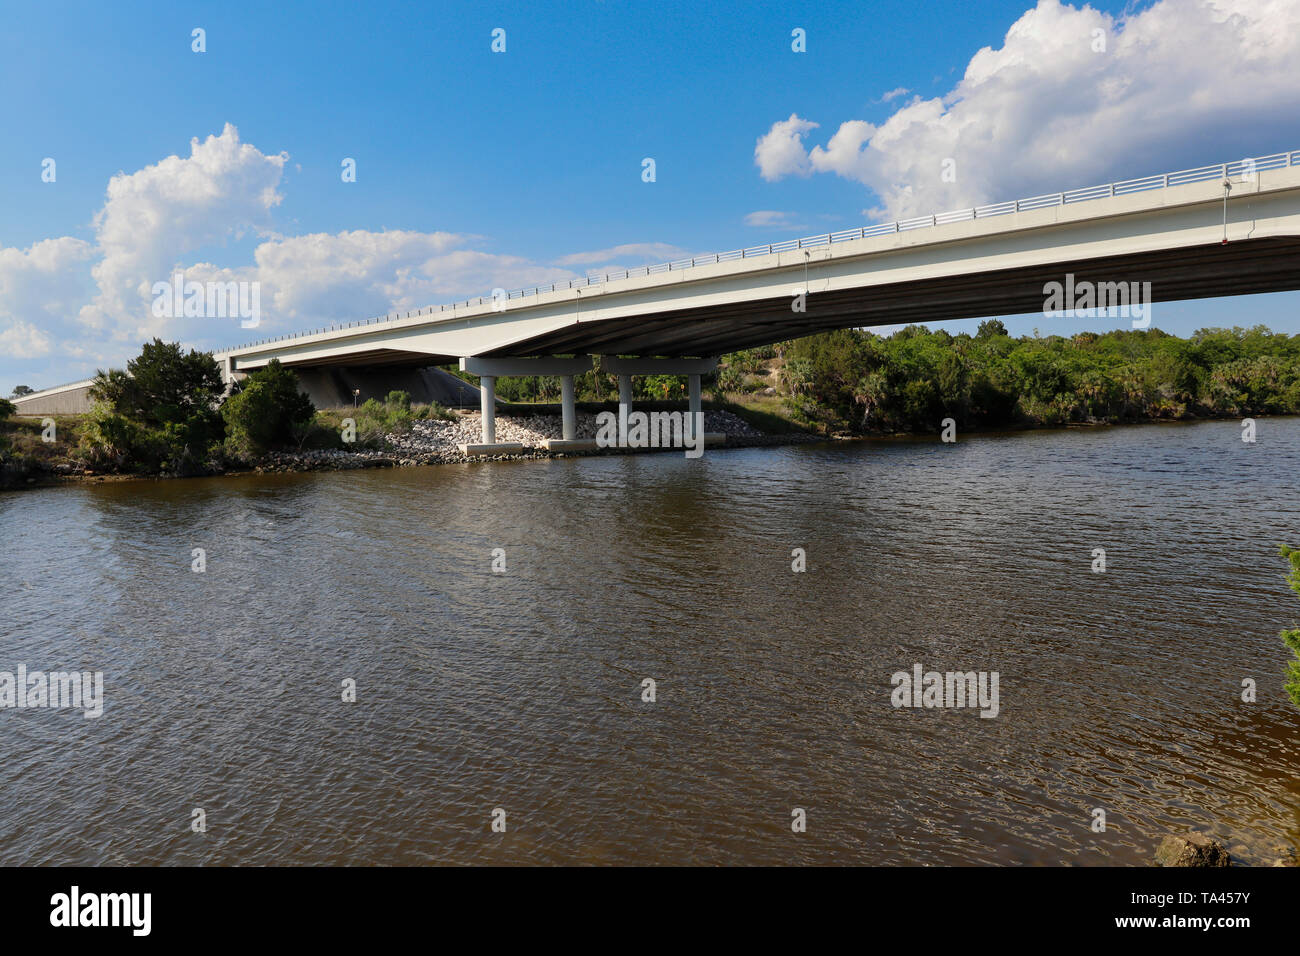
x=1085, y=194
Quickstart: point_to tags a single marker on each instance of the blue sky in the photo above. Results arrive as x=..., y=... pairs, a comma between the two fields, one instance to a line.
x=477, y=169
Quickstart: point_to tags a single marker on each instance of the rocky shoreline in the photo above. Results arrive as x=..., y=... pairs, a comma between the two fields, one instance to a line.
x=434, y=442
x=1201, y=851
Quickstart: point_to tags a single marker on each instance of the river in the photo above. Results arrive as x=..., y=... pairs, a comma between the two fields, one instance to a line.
x=522, y=689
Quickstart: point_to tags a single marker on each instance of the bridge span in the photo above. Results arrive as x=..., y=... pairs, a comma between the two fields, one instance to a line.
x=1229, y=229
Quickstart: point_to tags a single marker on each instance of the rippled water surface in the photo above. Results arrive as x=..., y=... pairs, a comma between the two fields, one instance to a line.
x=522, y=690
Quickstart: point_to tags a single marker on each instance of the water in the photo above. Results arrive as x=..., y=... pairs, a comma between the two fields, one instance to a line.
x=522, y=690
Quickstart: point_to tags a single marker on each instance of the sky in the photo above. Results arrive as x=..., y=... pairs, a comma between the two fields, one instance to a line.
x=477, y=169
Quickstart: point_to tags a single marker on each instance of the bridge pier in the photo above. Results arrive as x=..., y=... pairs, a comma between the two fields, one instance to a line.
x=693, y=369
x=489, y=369
x=624, y=397
x=695, y=406
x=488, y=407
x=568, y=409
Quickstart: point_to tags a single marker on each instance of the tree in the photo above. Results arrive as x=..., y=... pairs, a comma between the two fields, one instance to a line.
x=7, y=408
x=160, y=413
x=21, y=390
x=163, y=385
x=991, y=328
x=266, y=410
x=1291, y=637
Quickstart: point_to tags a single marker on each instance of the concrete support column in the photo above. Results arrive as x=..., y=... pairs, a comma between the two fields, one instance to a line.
x=692, y=368
x=489, y=369
x=487, y=385
x=695, y=403
x=568, y=410
x=624, y=396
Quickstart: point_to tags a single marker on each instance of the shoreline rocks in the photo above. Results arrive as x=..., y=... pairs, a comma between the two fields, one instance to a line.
x=435, y=441
x=1204, y=851
x=1192, y=850
x=436, y=436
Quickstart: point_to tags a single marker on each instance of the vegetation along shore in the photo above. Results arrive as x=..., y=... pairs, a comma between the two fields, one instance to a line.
x=164, y=414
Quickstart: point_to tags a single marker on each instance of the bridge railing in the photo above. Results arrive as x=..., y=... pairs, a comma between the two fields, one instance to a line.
x=1224, y=171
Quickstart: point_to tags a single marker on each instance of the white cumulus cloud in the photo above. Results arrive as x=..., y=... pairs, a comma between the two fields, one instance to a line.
x=223, y=190
x=23, y=340
x=39, y=282
x=780, y=151
x=68, y=306
x=1073, y=97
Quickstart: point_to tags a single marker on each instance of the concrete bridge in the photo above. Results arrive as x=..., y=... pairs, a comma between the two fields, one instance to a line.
x=1229, y=229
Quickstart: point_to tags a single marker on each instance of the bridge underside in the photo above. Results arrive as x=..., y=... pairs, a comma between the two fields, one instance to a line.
x=337, y=386
x=1238, y=268
x=395, y=358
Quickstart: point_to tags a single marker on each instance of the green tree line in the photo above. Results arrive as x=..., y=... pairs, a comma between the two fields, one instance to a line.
x=913, y=379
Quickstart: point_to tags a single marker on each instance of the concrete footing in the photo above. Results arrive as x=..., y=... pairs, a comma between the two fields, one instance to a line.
x=570, y=444
x=491, y=448
x=589, y=444
x=563, y=444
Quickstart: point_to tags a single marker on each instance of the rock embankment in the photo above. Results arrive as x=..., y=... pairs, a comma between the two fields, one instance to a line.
x=435, y=441
x=532, y=431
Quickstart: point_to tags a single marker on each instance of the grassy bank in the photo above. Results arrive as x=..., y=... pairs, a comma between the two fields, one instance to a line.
x=27, y=458
x=371, y=421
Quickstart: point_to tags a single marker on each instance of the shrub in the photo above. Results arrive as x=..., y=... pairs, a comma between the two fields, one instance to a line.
x=730, y=378
x=269, y=411
x=374, y=421
x=111, y=441
x=1292, y=637
x=660, y=387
